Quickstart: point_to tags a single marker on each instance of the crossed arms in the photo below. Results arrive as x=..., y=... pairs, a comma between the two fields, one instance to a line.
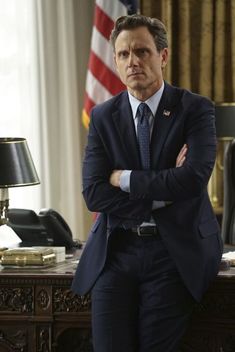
x=116, y=174
x=187, y=179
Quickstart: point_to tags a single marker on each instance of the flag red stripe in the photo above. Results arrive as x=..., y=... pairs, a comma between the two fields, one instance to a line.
x=88, y=103
x=106, y=77
x=103, y=23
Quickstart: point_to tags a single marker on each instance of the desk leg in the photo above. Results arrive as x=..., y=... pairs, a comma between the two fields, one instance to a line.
x=43, y=340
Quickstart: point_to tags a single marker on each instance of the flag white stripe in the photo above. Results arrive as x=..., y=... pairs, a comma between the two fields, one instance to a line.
x=102, y=48
x=95, y=90
x=112, y=8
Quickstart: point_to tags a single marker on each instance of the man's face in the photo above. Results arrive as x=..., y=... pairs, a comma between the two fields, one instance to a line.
x=138, y=62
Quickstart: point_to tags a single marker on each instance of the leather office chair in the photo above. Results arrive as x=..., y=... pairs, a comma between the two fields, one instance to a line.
x=228, y=220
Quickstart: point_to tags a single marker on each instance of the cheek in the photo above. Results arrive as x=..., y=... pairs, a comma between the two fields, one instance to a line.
x=155, y=70
x=121, y=71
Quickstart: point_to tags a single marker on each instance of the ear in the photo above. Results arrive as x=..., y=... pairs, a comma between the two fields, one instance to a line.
x=164, y=54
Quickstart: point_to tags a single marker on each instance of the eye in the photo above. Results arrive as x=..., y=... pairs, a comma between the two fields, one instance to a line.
x=142, y=52
x=123, y=54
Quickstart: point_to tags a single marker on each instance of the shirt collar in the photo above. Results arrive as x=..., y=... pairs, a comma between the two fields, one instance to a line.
x=152, y=102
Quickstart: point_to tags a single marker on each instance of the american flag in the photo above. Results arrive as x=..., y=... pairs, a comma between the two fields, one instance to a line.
x=102, y=81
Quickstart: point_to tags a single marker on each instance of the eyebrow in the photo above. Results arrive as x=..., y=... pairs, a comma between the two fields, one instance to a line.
x=142, y=48
x=134, y=49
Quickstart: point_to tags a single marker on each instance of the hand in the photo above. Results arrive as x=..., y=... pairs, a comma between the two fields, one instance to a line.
x=181, y=156
x=114, y=179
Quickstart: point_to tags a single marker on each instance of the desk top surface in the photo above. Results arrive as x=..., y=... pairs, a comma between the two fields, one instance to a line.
x=64, y=269
x=227, y=273
x=67, y=269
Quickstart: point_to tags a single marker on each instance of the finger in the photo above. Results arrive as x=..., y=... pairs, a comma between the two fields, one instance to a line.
x=182, y=155
x=180, y=162
x=183, y=150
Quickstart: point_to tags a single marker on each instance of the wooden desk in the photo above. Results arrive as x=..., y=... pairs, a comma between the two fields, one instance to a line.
x=213, y=323
x=38, y=313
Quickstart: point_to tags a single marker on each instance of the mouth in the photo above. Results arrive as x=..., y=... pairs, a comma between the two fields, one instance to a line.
x=134, y=74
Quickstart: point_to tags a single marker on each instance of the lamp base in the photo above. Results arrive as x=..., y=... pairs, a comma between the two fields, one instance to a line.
x=8, y=237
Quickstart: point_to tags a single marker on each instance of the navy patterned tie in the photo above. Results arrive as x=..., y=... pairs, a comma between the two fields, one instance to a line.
x=143, y=134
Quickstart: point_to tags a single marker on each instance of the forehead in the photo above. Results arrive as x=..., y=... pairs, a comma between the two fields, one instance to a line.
x=136, y=37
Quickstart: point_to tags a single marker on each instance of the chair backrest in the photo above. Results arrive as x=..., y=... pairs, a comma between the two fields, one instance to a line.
x=228, y=219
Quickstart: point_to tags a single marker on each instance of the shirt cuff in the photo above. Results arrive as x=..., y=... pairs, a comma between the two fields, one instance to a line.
x=125, y=180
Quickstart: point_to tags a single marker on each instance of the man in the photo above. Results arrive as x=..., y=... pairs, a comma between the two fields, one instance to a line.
x=155, y=246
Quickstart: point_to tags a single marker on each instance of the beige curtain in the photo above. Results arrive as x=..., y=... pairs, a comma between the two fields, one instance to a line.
x=60, y=92
x=202, y=44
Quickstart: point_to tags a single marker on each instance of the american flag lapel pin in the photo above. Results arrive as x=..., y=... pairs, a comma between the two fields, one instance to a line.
x=166, y=113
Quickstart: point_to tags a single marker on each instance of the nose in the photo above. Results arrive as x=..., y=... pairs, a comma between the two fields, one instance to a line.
x=132, y=60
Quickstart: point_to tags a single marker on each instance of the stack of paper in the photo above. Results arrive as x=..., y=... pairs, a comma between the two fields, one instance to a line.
x=8, y=237
x=230, y=256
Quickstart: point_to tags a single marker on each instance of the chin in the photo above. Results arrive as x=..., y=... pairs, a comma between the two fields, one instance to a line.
x=135, y=83
x=137, y=86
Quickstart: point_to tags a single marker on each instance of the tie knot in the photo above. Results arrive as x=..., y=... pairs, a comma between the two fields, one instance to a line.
x=143, y=109
x=143, y=112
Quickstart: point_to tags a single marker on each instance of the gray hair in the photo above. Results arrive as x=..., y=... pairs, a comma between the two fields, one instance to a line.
x=156, y=28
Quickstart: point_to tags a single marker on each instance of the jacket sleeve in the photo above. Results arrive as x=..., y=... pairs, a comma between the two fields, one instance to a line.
x=191, y=179
x=99, y=194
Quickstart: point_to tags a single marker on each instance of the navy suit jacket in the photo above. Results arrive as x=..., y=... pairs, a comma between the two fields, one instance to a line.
x=188, y=225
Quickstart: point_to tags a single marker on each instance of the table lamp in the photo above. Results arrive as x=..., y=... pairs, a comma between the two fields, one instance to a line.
x=16, y=170
x=225, y=131
x=225, y=119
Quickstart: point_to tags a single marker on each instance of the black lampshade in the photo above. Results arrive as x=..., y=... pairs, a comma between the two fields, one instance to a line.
x=16, y=164
x=225, y=119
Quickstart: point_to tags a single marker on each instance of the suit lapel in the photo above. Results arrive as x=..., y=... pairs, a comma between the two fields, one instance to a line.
x=124, y=123
x=163, y=121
